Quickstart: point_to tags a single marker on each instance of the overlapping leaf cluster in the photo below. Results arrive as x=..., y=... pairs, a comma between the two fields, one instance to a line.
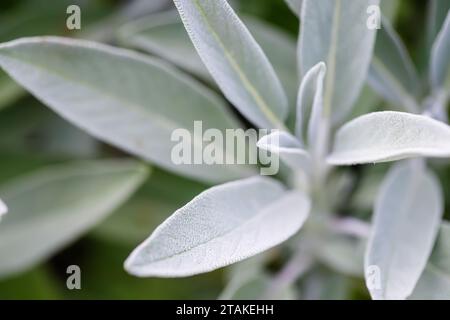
x=134, y=102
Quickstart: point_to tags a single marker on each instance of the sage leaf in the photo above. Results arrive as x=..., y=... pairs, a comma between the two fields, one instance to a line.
x=434, y=284
x=437, y=12
x=392, y=73
x=235, y=61
x=329, y=30
x=288, y=148
x=295, y=6
x=440, y=59
x=221, y=226
x=406, y=222
x=123, y=98
x=388, y=136
x=164, y=35
x=310, y=103
x=54, y=206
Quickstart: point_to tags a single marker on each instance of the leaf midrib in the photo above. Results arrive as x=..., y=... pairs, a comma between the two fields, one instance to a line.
x=260, y=102
x=166, y=122
x=263, y=211
x=331, y=59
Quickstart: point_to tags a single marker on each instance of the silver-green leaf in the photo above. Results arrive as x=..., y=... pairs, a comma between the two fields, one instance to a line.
x=221, y=226
x=295, y=6
x=310, y=104
x=440, y=59
x=406, y=222
x=288, y=148
x=164, y=35
x=52, y=207
x=121, y=97
x=388, y=136
x=437, y=12
x=235, y=61
x=392, y=73
x=330, y=30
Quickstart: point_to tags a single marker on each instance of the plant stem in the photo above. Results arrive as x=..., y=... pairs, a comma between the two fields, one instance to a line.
x=299, y=264
x=352, y=227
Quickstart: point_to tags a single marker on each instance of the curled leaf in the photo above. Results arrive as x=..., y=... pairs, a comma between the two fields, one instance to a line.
x=288, y=148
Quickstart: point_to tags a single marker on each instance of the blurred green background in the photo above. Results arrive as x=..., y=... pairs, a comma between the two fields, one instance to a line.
x=31, y=136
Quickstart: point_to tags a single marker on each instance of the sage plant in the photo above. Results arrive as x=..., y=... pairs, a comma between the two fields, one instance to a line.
x=135, y=102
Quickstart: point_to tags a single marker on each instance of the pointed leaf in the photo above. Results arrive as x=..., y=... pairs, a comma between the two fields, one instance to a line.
x=388, y=136
x=330, y=29
x=235, y=60
x=53, y=207
x=440, y=59
x=310, y=103
x=407, y=217
x=121, y=97
x=392, y=73
x=221, y=226
x=288, y=148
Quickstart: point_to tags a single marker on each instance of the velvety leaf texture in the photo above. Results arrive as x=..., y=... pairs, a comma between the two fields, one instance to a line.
x=407, y=217
x=121, y=97
x=388, y=136
x=54, y=206
x=235, y=61
x=221, y=226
